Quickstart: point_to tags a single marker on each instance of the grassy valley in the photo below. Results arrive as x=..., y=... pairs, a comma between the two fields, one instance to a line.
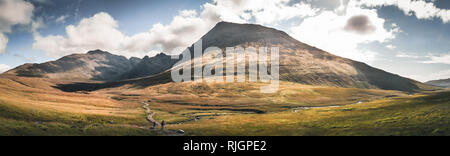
x=419, y=115
x=32, y=106
x=99, y=93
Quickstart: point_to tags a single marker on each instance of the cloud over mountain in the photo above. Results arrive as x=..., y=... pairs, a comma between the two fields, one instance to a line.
x=13, y=12
x=442, y=59
x=184, y=29
x=341, y=31
x=420, y=8
x=97, y=32
x=360, y=24
x=4, y=68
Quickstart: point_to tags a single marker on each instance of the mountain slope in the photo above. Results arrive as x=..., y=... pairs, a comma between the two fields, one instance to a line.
x=299, y=63
x=305, y=64
x=96, y=65
x=440, y=83
x=150, y=66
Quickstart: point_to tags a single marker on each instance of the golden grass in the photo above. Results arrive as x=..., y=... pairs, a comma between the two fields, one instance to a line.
x=415, y=115
x=36, y=100
x=31, y=106
x=182, y=102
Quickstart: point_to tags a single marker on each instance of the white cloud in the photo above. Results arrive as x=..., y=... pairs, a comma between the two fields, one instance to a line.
x=407, y=55
x=97, y=32
x=37, y=24
x=189, y=26
x=263, y=11
x=3, y=42
x=391, y=47
x=182, y=31
x=438, y=59
x=101, y=31
x=44, y=1
x=420, y=8
x=427, y=59
x=61, y=19
x=13, y=12
x=445, y=74
x=342, y=33
x=4, y=68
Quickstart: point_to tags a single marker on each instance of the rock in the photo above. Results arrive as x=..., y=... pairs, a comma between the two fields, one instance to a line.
x=180, y=131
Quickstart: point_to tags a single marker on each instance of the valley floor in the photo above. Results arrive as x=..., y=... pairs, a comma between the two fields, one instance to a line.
x=31, y=106
x=424, y=115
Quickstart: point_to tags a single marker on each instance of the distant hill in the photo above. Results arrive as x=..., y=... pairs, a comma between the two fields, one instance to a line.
x=440, y=83
x=96, y=65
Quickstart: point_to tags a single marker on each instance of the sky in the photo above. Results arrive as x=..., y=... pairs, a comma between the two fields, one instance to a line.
x=406, y=37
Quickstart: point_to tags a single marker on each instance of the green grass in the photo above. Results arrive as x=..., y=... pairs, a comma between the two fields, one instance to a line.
x=423, y=116
x=182, y=102
x=19, y=121
x=31, y=107
x=10, y=127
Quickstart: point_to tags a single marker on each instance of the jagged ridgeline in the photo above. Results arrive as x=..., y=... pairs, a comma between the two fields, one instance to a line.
x=299, y=63
x=97, y=65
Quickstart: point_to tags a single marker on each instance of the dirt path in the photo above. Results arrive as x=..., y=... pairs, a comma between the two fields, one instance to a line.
x=150, y=114
x=151, y=120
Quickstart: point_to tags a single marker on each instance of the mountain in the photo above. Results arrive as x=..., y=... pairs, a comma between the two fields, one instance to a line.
x=150, y=66
x=305, y=64
x=134, y=61
x=440, y=83
x=299, y=63
x=95, y=65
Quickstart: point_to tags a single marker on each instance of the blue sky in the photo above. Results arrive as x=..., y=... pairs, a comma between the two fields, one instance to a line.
x=406, y=37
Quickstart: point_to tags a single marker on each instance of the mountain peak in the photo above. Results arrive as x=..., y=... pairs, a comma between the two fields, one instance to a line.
x=227, y=34
x=150, y=66
x=146, y=58
x=98, y=51
x=303, y=63
x=161, y=55
x=157, y=56
x=225, y=24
